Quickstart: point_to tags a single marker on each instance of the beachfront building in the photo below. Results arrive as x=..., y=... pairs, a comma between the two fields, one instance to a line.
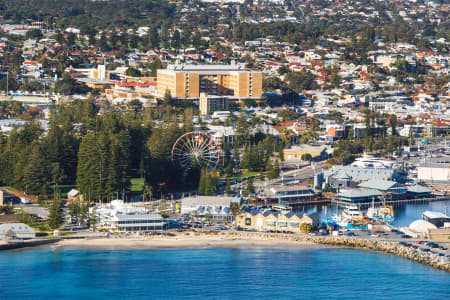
x=275, y=221
x=288, y=194
x=118, y=216
x=16, y=231
x=189, y=81
x=217, y=207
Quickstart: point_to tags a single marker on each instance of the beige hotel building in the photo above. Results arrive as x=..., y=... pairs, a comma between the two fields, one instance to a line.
x=188, y=81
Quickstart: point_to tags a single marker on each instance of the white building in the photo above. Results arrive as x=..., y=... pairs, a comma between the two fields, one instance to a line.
x=216, y=206
x=435, y=173
x=118, y=216
x=16, y=231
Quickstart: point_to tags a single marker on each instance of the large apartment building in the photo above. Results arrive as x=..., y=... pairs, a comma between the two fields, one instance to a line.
x=188, y=81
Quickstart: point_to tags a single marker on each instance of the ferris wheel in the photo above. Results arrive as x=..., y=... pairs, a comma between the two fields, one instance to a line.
x=195, y=149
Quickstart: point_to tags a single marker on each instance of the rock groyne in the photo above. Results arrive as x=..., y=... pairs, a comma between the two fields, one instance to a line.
x=434, y=260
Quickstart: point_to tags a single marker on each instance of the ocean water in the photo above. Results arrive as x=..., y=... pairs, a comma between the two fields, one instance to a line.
x=216, y=273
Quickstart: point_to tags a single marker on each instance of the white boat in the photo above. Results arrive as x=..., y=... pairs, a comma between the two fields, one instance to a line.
x=351, y=212
x=352, y=218
x=284, y=209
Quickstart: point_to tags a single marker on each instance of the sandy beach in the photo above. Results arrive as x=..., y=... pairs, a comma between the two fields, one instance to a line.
x=186, y=241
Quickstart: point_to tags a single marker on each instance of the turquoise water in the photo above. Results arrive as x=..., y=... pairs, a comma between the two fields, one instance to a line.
x=217, y=273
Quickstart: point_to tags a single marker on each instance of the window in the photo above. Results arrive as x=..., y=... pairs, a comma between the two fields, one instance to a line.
x=282, y=223
x=248, y=221
x=294, y=224
x=271, y=223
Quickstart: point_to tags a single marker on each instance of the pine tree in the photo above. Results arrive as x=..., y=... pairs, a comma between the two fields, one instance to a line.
x=201, y=183
x=34, y=173
x=276, y=169
x=261, y=175
x=250, y=187
x=56, y=216
x=228, y=188
x=245, y=161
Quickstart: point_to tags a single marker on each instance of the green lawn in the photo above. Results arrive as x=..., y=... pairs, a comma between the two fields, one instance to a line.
x=137, y=184
x=242, y=175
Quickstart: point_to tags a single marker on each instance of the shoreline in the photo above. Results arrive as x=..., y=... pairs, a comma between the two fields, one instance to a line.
x=255, y=240
x=186, y=241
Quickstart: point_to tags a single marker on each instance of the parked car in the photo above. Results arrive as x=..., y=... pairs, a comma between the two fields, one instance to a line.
x=405, y=236
x=351, y=233
x=220, y=227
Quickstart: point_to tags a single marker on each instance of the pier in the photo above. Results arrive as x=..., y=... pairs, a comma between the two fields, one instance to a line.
x=363, y=204
x=394, y=202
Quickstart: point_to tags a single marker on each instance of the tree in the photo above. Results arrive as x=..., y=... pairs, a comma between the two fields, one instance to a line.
x=250, y=187
x=305, y=227
x=276, y=169
x=133, y=72
x=34, y=176
x=6, y=209
x=56, y=216
x=34, y=34
x=299, y=81
x=235, y=209
x=69, y=86
x=393, y=124
x=306, y=157
x=163, y=210
x=176, y=40
x=228, y=188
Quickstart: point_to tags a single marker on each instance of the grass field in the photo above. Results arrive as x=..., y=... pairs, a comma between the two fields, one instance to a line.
x=137, y=184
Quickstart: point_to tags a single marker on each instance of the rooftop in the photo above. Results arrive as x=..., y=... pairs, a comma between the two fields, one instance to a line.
x=359, y=193
x=435, y=215
x=382, y=185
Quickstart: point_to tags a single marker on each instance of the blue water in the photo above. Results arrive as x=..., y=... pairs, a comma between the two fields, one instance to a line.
x=294, y=273
x=404, y=214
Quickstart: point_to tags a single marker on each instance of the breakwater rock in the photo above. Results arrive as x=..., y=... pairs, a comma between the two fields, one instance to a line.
x=392, y=247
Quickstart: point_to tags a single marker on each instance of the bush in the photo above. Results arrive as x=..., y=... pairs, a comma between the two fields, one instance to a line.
x=305, y=227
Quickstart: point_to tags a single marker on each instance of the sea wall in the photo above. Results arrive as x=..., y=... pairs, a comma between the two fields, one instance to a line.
x=28, y=243
x=428, y=258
